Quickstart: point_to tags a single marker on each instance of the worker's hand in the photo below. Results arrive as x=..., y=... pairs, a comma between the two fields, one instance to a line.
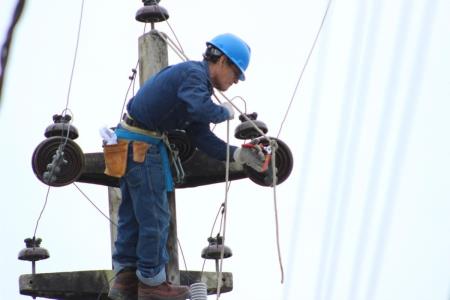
x=229, y=109
x=252, y=157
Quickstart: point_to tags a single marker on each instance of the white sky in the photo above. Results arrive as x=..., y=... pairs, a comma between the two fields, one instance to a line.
x=368, y=128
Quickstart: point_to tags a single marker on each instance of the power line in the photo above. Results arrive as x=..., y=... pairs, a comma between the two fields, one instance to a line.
x=305, y=163
x=75, y=54
x=378, y=156
x=404, y=132
x=345, y=147
x=8, y=41
x=304, y=66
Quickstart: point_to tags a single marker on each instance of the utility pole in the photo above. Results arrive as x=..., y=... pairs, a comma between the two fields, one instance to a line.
x=89, y=168
x=153, y=57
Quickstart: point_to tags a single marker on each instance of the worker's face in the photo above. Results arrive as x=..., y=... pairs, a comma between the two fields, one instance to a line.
x=227, y=74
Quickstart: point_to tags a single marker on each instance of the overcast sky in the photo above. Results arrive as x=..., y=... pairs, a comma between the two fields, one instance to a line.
x=365, y=212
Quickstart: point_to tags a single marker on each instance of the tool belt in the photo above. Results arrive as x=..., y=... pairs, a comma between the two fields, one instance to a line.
x=139, y=141
x=131, y=131
x=116, y=155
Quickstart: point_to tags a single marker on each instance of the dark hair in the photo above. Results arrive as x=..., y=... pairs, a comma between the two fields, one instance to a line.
x=212, y=54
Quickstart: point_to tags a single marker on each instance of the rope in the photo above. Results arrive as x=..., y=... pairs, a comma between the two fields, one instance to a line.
x=304, y=67
x=274, y=184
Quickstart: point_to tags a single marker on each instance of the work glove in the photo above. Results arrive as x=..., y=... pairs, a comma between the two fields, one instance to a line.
x=229, y=108
x=252, y=157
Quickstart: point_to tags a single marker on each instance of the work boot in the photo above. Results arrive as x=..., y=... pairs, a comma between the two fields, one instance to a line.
x=164, y=291
x=125, y=285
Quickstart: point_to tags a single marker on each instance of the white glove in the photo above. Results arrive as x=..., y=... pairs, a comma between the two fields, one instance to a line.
x=252, y=157
x=108, y=136
x=229, y=108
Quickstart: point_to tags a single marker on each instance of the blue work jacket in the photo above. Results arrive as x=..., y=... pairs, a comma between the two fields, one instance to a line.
x=179, y=97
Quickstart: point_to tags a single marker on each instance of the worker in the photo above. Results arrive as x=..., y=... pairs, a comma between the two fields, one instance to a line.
x=176, y=98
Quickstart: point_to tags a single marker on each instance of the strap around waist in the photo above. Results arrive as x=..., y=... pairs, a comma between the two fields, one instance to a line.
x=140, y=130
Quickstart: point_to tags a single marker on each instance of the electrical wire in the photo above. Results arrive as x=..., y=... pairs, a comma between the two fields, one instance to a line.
x=304, y=67
x=60, y=150
x=182, y=254
x=175, y=48
x=132, y=79
x=175, y=35
x=4, y=54
x=75, y=55
x=346, y=148
x=41, y=213
x=225, y=207
x=385, y=122
x=96, y=207
x=409, y=109
x=170, y=27
x=305, y=163
x=220, y=210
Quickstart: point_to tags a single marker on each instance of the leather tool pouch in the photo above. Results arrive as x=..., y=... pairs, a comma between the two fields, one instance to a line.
x=139, y=151
x=116, y=158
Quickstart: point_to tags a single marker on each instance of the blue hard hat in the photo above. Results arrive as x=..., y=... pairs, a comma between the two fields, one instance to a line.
x=235, y=49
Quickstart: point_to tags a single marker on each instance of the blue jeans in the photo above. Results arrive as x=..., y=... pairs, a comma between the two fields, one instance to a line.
x=143, y=219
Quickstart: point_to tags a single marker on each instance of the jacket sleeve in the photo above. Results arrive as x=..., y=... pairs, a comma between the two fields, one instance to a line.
x=206, y=141
x=194, y=91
